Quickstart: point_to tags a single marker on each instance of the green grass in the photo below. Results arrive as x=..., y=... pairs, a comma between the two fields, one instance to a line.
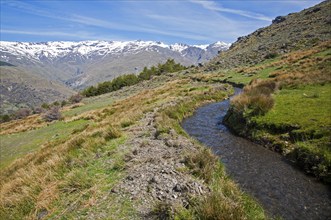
x=86, y=189
x=308, y=107
x=244, y=78
x=302, y=117
x=324, y=53
x=92, y=103
x=16, y=145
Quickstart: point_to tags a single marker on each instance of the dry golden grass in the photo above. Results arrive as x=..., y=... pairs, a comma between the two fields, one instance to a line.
x=302, y=68
x=256, y=98
x=32, y=183
x=29, y=123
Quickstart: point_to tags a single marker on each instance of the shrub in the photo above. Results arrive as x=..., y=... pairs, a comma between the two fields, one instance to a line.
x=271, y=56
x=76, y=98
x=52, y=114
x=22, y=113
x=38, y=110
x=256, y=99
x=63, y=103
x=5, y=118
x=56, y=103
x=45, y=106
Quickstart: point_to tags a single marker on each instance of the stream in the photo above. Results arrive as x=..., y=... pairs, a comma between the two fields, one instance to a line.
x=282, y=190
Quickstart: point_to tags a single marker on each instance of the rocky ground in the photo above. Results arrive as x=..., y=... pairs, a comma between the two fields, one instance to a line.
x=156, y=167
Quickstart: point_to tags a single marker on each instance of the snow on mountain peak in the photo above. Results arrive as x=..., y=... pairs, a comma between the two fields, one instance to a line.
x=178, y=47
x=54, y=49
x=220, y=44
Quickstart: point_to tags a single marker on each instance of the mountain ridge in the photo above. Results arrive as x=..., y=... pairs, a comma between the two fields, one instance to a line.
x=85, y=63
x=57, y=49
x=288, y=33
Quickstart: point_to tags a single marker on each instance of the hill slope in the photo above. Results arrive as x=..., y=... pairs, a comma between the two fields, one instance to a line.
x=287, y=33
x=20, y=88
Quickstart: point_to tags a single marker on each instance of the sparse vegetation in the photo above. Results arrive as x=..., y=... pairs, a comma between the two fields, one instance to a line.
x=52, y=114
x=169, y=66
x=66, y=158
x=75, y=98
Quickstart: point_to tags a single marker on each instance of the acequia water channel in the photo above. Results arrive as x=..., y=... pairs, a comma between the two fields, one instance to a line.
x=282, y=190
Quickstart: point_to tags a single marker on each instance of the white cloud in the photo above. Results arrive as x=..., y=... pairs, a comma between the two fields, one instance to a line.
x=213, y=6
x=77, y=35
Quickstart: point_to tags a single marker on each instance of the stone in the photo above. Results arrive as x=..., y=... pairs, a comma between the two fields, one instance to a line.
x=154, y=179
x=129, y=178
x=177, y=188
x=42, y=214
x=278, y=19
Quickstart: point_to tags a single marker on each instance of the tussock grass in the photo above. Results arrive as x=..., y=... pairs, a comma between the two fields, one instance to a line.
x=70, y=177
x=256, y=99
x=21, y=125
x=202, y=164
x=225, y=200
x=291, y=110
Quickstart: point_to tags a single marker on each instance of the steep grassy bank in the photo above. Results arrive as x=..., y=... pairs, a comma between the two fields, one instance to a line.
x=289, y=110
x=88, y=174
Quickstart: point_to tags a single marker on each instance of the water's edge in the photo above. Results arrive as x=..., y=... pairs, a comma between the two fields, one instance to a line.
x=280, y=188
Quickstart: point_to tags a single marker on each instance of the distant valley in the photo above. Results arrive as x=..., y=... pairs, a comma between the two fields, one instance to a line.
x=71, y=66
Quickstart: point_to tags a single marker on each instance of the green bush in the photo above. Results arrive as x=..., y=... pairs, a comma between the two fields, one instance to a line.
x=119, y=82
x=4, y=118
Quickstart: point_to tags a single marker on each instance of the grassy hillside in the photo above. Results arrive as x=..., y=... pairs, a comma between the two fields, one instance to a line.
x=102, y=146
x=288, y=108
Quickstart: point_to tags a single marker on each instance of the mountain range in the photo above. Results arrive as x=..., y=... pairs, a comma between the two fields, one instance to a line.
x=70, y=66
x=80, y=64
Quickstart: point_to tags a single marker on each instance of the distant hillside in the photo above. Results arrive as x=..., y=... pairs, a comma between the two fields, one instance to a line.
x=20, y=88
x=80, y=64
x=2, y=63
x=286, y=33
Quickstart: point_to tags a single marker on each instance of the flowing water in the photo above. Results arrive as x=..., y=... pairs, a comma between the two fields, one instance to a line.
x=282, y=190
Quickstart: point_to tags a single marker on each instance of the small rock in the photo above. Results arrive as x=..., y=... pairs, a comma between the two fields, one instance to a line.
x=113, y=190
x=42, y=214
x=129, y=178
x=154, y=179
x=177, y=188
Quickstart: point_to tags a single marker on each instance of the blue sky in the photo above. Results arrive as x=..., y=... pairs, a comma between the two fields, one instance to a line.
x=186, y=21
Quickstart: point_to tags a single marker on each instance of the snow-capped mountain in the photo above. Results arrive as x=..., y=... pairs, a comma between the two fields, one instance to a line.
x=87, y=49
x=80, y=64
